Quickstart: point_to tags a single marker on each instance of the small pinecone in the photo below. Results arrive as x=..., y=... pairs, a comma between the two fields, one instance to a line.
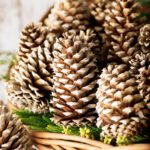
x=69, y=15
x=33, y=35
x=144, y=86
x=75, y=80
x=31, y=83
x=122, y=26
x=13, y=135
x=140, y=67
x=121, y=109
x=144, y=38
x=97, y=9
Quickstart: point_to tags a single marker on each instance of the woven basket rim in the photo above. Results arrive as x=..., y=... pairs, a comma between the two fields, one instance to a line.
x=45, y=139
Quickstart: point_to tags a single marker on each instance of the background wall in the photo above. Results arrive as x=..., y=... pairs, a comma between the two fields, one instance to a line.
x=14, y=15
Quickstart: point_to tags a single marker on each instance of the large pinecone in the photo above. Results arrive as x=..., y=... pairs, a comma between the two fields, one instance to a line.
x=122, y=26
x=121, y=109
x=68, y=15
x=33, y=35
x=31, y=83
x=140, y=67
x=144, y=38
x=74, y=81
x=13, y=135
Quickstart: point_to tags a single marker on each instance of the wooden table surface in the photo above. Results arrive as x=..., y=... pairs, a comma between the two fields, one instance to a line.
x=14, y=15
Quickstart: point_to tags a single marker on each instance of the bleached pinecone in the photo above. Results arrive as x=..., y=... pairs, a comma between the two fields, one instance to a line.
x=121, y=109
x=122, y=25
x=74, y=81
x=69, y=15
x=140, y=67
x=31, y=84
x=33, y=35
x=144, y=85
x=13, y=135
x=98, y=9
x=144, y=38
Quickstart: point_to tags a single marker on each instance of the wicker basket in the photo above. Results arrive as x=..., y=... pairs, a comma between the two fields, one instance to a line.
x=55, y=141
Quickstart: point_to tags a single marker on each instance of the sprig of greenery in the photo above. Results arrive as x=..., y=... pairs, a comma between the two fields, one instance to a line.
x=43, y=122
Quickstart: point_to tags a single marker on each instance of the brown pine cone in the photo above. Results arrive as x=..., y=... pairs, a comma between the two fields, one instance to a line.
x=33, y=35
x=31, y=84
x=74, y=81
x=13, y=134
x=140, y=68
x=121, y=109
x=122, y=26
x=69, y=15
x=144, y=38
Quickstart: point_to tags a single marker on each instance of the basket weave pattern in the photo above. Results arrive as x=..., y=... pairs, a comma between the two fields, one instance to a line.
x=55, y=141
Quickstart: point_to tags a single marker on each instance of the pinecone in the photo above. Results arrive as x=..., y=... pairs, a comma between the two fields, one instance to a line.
x=69, y=15
x=31, y=83
x=122, y=25
x=74, y=81
x=33, y=35
x=140, y=67
x=13, y=135
x=144, y=86
x=97, y=9
x=144, y=38
x=121, y=109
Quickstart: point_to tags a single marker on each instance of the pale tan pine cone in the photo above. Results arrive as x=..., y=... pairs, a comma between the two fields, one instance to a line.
x=13, y=134
x=74, y=81
x=140, y=68
x=31, y=83
x=122, y=26
x=121, y=109
x=69, y=15
x=144, y=38
x=33, y=35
